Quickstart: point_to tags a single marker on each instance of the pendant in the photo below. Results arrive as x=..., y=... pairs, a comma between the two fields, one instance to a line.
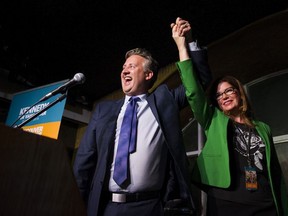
x=251, y=178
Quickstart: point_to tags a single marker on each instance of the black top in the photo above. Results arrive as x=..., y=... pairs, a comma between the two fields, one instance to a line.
x=238, y=141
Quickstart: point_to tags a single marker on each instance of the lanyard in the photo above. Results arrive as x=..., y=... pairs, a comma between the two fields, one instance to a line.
x=248, y=144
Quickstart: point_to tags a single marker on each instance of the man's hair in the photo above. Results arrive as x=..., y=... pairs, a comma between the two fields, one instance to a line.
x=151, y=64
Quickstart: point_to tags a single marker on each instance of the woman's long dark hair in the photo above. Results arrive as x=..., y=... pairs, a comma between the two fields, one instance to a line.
x=245, y=107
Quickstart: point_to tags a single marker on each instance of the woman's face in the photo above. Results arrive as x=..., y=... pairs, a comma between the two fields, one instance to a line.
x=228, y=98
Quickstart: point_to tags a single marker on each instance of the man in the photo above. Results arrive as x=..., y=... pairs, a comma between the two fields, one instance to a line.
x=157, y=168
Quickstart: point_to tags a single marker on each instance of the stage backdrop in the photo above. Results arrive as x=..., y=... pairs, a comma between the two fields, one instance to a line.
x=48, y=122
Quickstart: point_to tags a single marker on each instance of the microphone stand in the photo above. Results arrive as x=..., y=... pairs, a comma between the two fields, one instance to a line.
x=59, y=99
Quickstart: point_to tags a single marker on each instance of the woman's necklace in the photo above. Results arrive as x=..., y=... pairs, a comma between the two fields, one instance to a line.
x=250, y=171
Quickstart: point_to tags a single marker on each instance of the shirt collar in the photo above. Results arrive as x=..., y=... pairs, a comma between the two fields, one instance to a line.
x=142, y=97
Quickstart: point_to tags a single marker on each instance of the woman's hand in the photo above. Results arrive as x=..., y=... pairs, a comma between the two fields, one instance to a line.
x=181, y=33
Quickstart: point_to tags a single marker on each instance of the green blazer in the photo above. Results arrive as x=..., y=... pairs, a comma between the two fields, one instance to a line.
x=212, y=165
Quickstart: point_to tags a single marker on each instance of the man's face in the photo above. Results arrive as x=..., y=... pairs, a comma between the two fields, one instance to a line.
x=134, y=78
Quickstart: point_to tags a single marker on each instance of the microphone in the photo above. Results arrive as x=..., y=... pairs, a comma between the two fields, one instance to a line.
x=78, y=78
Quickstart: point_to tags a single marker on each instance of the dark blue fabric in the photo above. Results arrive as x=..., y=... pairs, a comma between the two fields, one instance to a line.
x=151, y=207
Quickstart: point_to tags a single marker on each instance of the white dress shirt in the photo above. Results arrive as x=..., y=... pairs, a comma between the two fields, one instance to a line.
x=148, y=163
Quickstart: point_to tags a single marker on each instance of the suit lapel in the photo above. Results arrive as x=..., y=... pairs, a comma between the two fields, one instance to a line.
x=152, y=104
x=110, y=127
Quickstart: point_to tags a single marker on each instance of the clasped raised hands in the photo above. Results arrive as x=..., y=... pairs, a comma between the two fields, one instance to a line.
x=182, y=35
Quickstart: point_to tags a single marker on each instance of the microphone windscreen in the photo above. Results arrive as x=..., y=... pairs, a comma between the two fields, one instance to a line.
x=79, y=78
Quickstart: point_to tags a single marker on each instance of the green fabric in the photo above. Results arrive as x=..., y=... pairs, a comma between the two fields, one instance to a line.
x=212, y=165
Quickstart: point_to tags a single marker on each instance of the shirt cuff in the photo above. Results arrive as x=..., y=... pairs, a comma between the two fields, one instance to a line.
x=193, y=46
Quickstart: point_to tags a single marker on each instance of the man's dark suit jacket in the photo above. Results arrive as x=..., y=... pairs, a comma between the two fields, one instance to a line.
x=93, y=159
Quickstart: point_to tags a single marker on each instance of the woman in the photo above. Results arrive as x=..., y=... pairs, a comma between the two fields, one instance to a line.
x=238, y=167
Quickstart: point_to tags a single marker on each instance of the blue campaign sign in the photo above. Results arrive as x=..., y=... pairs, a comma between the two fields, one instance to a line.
x=48, y=122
